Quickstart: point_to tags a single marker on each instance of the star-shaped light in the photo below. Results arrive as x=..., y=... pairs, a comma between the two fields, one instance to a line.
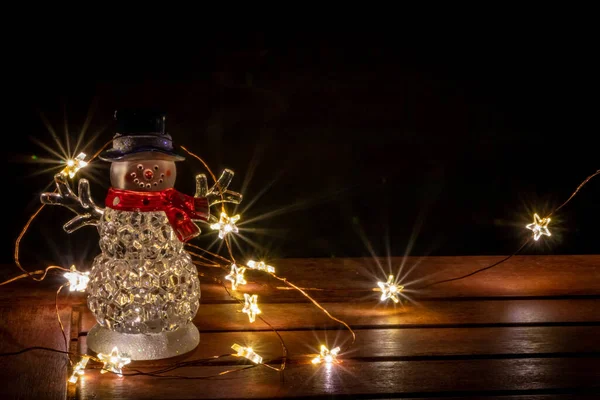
x=226, y=225
x=74, y=165
x=327, y=356
x=248, y=353
x=113, y=362
x=261, y=266
x=539, y=226
x=389, y=290
x=236, y=276
x=78, y=369
x=78, y=281
x=251, y=306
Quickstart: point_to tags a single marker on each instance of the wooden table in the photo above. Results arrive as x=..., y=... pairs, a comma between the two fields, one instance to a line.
x=528, y=329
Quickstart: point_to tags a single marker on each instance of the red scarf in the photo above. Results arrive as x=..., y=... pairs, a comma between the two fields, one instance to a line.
x=180, y=208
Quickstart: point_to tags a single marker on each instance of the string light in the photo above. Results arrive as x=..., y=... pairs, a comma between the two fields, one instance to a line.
x=74, y=165
x=539, y=226
x=113, y=362
x=226, y=225
x=236, y=276
x=251, y=306
x=78, y=369
x=261, y=266
x=389, y=290
x=78, y=281
x=327, y=356
x=248, y=353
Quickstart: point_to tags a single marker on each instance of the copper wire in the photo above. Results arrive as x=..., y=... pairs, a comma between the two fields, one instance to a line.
x=284, y=280
x=22, y=234
x=232, y=260
x=62, y=327
x=28, y=274
x=35, y=214
x=582, y=184
x=516, y=252
x=283, y=345
x=208, y=252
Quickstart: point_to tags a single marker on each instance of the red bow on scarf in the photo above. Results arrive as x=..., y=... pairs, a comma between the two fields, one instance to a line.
x=180, y=208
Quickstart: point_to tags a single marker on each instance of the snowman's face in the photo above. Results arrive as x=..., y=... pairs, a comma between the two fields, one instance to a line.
x=143, y=175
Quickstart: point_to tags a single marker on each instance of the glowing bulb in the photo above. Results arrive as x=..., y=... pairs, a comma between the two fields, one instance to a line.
x=248, y=353
x=78, y=281
x=261, y=266
x=236, y=276
x=226, y=225
x=389, y=290
x=74, y=165
x=539, y=226
x=251, y=306
x=327, y=356
x=113, y=362
x=78, y=369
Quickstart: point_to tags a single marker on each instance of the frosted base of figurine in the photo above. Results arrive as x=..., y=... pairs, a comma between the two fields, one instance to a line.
x=140, y=346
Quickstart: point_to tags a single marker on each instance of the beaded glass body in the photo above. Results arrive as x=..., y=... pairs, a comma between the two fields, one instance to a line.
x=143, y=281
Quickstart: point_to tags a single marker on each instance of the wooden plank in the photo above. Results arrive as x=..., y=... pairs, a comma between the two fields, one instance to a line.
x=361, y=379
x=520, y=276
x=35, y=374
x=227, y=317
x=343, y=278
x=407, y=344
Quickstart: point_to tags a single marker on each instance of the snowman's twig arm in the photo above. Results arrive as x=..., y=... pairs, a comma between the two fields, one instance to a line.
x=228, y=197
x=218, y=193
x=85, y=208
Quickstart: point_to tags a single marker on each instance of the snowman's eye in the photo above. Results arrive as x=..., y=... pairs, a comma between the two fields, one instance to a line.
x=156, y=167
x=140, y=167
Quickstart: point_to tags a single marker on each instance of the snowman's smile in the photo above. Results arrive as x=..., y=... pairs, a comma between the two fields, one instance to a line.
x=147, y=178
x=146, y=175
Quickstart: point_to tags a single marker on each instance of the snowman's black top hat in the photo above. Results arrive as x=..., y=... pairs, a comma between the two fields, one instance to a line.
x=140, y=131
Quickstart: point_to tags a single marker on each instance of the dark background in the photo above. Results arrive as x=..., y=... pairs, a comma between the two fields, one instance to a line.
x=448, y=144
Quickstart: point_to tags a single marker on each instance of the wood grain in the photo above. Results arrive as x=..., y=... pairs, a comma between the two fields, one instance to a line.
x=36, y=374
x=359, y=379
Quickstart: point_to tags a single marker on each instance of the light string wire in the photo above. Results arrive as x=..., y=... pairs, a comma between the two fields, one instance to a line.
x=44, y=272
x=581, y=185
x=232, y=260
x=28, y=224
x=62, y=327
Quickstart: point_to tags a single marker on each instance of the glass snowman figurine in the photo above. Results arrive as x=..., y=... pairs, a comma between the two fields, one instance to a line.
x=144, y=289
